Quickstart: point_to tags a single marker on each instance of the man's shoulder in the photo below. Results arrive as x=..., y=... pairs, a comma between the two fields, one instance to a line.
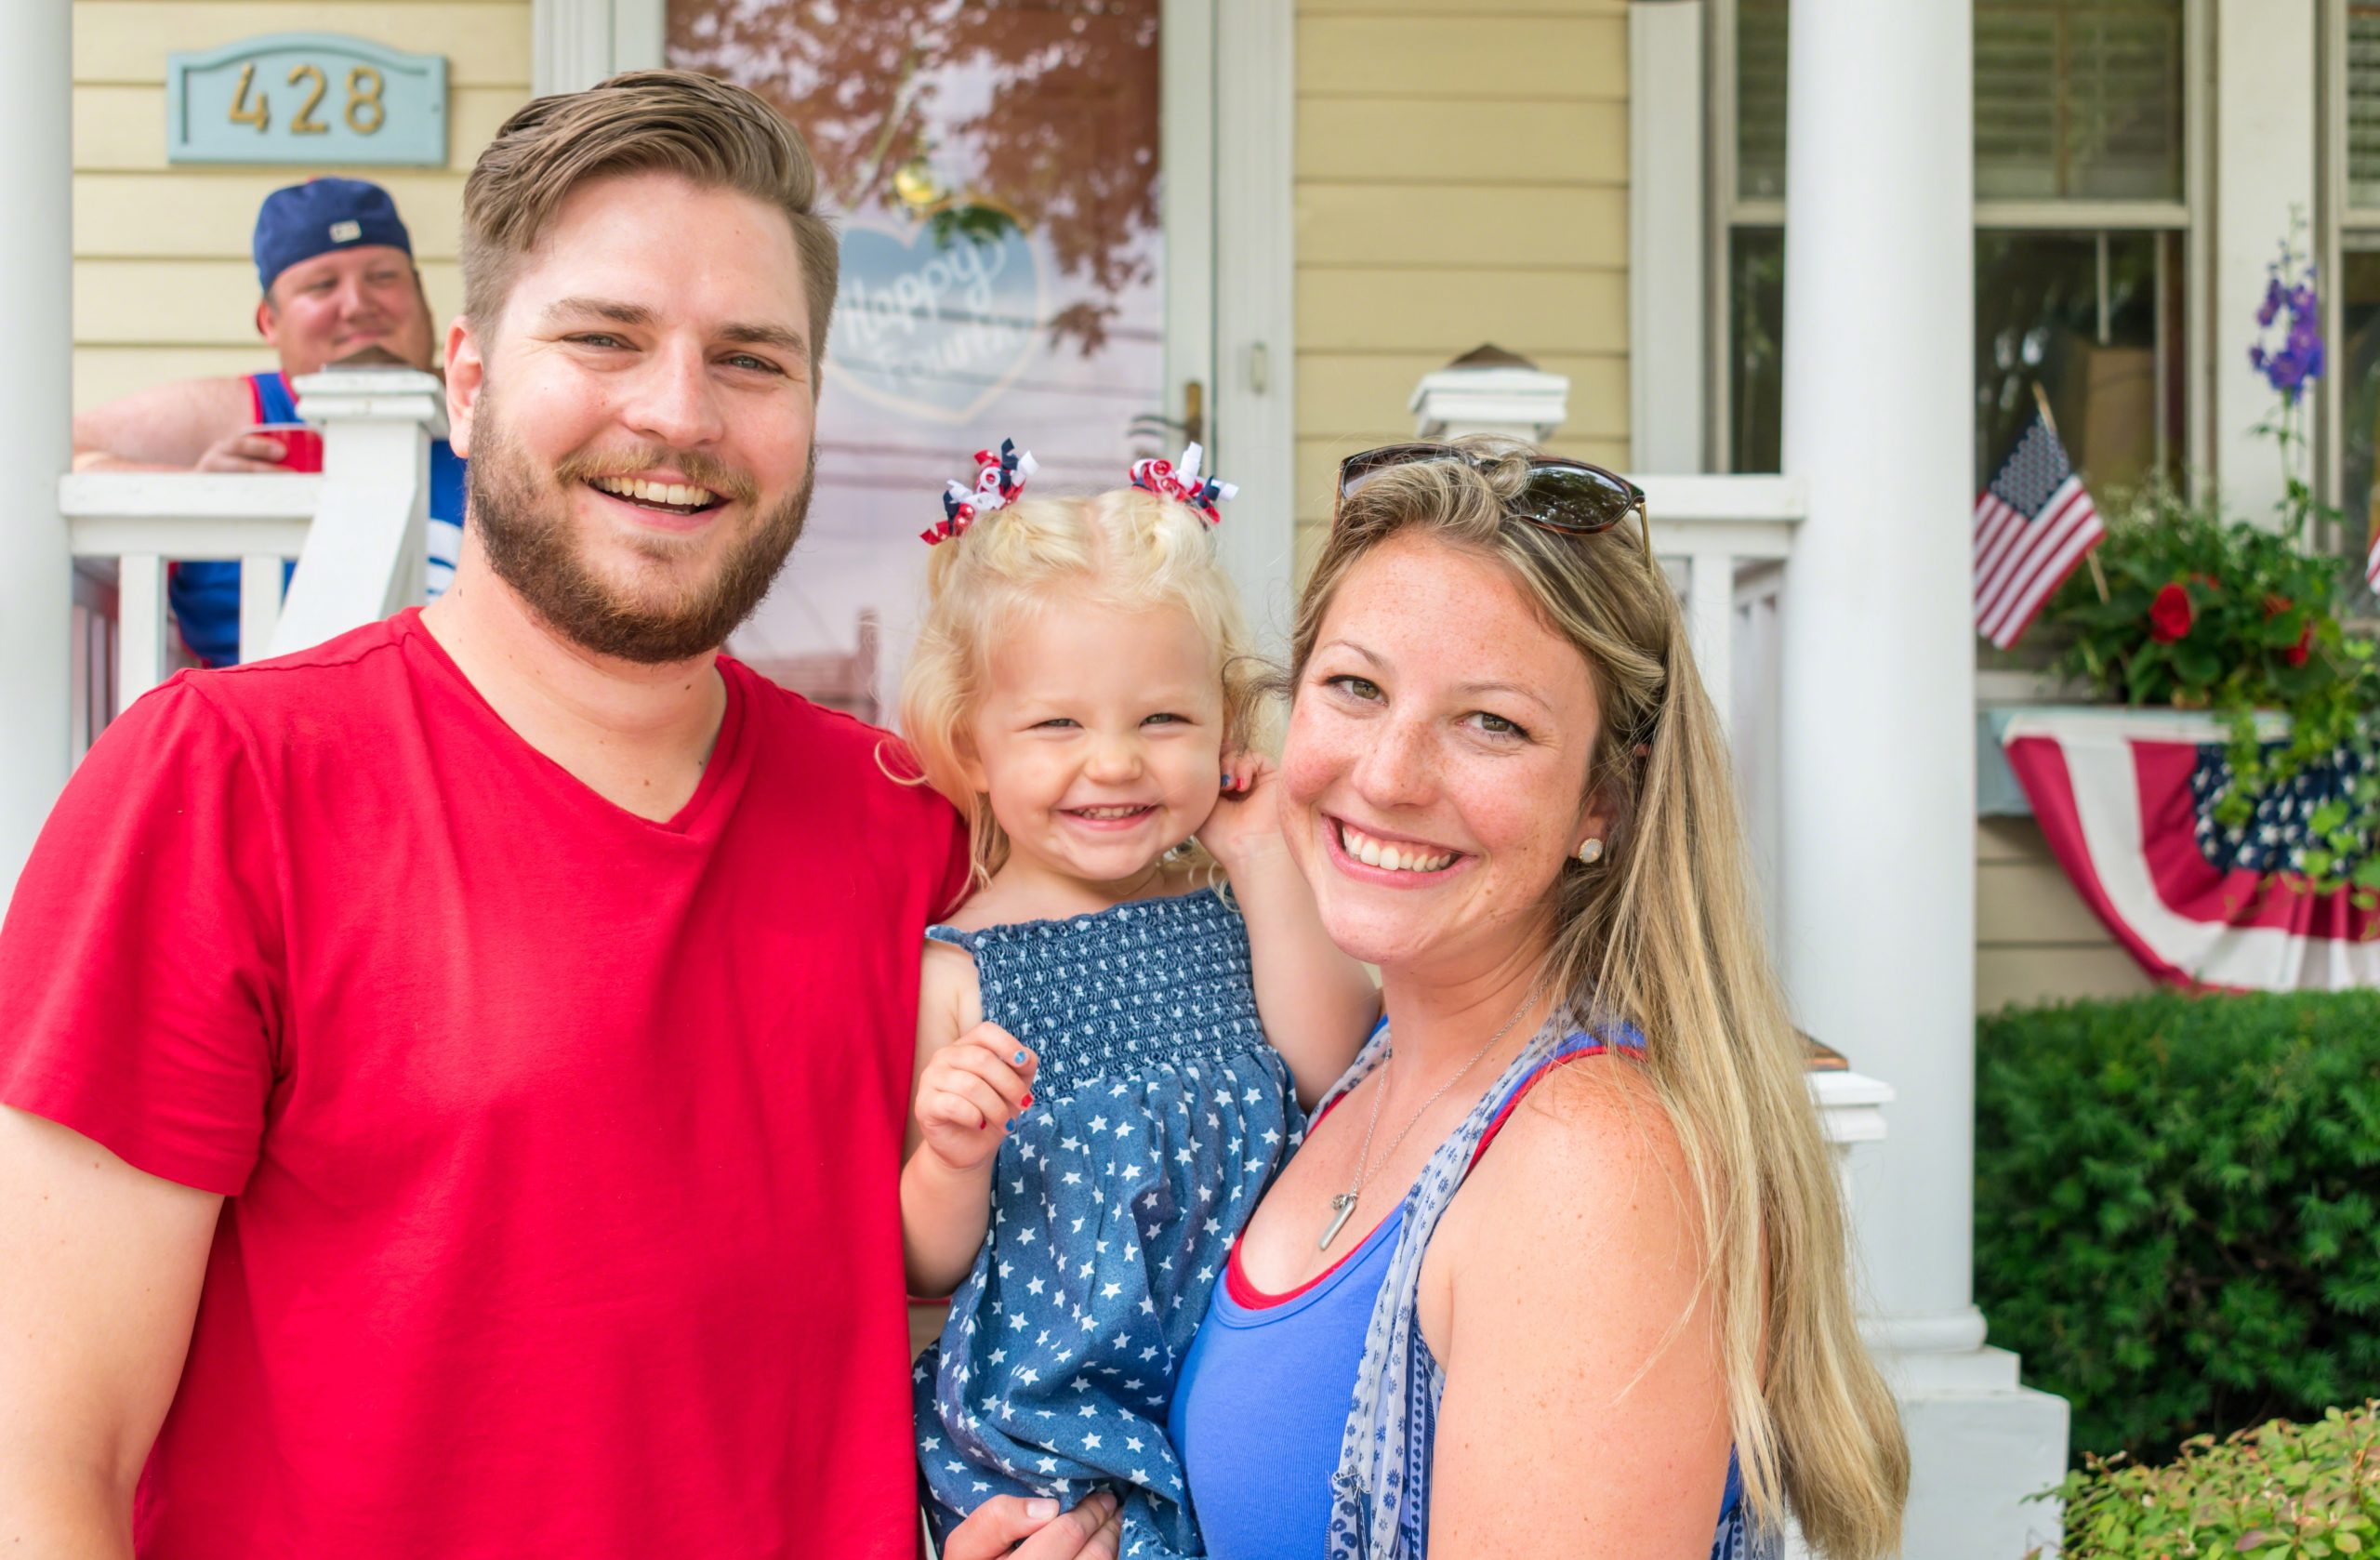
x=352, y=672
x=779, y=708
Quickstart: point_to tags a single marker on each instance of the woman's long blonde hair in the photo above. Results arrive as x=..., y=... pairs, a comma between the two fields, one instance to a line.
x=1129, y=548
x=1663, y=934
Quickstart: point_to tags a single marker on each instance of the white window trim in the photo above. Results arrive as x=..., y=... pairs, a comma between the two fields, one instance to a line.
x=2189, y=216
x=575, y=43
x=2337, y=228
x=1254, y=381
x=1667, y=393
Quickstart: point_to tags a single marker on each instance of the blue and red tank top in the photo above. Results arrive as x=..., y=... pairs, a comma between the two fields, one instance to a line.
x=204, y=594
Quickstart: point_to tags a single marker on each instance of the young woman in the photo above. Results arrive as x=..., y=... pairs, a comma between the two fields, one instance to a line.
x=1560, y=1268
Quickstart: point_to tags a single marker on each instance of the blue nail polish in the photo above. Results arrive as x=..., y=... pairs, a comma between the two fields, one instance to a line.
x=1020, y=1059
x=1011, y=1124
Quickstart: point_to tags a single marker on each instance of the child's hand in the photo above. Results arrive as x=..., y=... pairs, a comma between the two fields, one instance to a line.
x=970, y=1094
x=1247, y=815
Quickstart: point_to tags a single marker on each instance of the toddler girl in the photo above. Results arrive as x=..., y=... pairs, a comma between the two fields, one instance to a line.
x=1098, y=1107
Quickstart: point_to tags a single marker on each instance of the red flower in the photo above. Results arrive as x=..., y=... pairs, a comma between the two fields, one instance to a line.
x=2169, y=615
x=2297, y=653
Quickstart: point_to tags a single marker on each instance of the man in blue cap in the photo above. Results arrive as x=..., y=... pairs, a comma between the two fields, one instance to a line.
x=336, y=268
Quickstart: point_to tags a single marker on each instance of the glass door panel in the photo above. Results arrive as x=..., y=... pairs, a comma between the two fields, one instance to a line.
x=995, y=175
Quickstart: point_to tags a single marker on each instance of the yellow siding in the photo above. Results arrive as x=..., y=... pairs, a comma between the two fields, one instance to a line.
x=125, y=42
x=1461, y=177
x=163, y=288
x=2036, y=941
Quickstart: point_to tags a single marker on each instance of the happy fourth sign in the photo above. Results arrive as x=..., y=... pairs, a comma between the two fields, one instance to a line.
x=935, y=323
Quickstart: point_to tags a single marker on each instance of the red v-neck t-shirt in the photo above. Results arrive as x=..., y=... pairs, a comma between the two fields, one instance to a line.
x=562, y=1146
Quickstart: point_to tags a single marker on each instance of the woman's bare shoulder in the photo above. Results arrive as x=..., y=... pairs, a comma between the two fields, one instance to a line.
x=1589, y=1151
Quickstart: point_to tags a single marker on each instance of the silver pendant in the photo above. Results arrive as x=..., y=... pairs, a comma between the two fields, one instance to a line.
x=1342, y=1206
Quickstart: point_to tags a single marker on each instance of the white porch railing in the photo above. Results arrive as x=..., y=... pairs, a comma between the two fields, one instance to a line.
x=1728, y=543
x=359, y=533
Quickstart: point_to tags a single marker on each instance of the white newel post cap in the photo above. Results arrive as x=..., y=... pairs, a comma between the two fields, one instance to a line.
x=1851, y=1106
x=1491, y=391
x=374, y=394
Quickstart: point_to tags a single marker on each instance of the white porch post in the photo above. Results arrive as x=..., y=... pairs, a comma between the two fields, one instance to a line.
x=1877, y=812
x=36, y=573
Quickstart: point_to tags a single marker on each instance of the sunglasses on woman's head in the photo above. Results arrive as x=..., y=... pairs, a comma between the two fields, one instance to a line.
x=1571, y=497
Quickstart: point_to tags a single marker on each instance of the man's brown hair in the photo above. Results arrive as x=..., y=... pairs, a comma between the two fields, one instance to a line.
x=711, y=132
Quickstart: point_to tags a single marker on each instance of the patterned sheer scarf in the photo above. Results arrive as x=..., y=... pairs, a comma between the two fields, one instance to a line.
x=1380, y=1502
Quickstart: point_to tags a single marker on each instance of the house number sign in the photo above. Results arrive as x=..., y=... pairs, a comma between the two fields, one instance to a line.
x=306, y=98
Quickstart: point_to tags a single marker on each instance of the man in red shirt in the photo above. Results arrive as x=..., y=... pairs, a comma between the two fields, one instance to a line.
x=455, y=1076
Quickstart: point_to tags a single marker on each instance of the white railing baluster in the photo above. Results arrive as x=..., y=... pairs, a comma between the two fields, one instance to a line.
x=80, y=727
x=1752, y=733
x=92, y=659
x=259, y=603
x=140, y=625
x=1710, y=623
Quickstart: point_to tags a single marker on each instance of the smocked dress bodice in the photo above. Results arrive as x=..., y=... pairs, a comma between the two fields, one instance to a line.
x=1152, y=982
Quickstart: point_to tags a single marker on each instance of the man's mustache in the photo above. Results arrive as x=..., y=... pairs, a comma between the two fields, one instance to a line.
x=702, y=469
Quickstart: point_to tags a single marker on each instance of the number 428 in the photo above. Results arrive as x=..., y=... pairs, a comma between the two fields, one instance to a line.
x=364, y=112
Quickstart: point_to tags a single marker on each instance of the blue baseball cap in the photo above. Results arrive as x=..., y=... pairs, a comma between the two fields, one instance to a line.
x=319, y=215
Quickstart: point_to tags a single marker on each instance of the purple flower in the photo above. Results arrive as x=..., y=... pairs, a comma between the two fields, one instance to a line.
x=2298, y=358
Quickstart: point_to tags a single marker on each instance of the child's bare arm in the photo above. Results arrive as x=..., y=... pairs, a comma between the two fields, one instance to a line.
x=972, y=1079
x=1318, y=1004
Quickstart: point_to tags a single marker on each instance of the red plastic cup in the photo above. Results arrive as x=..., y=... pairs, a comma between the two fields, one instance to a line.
x=301, y=445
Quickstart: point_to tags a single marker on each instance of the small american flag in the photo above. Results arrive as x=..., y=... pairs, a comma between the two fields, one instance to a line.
x=2031, y=526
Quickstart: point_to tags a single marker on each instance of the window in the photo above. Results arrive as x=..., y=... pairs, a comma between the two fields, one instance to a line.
x=2352, y=397
x=2083, y=217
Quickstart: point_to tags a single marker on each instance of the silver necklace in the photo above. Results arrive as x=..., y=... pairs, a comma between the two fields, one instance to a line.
x=1344, y=1205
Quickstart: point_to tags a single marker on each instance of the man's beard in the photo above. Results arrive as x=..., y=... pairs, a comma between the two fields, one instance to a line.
x=533, y=548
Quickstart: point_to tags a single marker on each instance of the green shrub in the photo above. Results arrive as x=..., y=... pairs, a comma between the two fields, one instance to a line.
x=2281, y=1490
x=2178, y=1208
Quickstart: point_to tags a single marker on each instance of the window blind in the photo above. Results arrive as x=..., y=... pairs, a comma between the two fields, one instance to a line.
x=2074, y=99
x=2363, y=108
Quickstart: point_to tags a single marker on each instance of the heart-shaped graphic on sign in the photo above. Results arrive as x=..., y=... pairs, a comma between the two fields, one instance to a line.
x=935, y=323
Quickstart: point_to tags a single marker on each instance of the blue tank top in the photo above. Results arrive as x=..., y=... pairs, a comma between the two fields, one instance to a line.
x=1263, y=1405
x=205, y=595
x=1263, y=1400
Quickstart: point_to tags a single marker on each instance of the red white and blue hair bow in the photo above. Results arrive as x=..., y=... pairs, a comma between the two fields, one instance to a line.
x=1000, y=477
x=1183, y=482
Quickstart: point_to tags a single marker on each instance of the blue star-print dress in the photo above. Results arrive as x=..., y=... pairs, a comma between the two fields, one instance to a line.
x=1159, y=1115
